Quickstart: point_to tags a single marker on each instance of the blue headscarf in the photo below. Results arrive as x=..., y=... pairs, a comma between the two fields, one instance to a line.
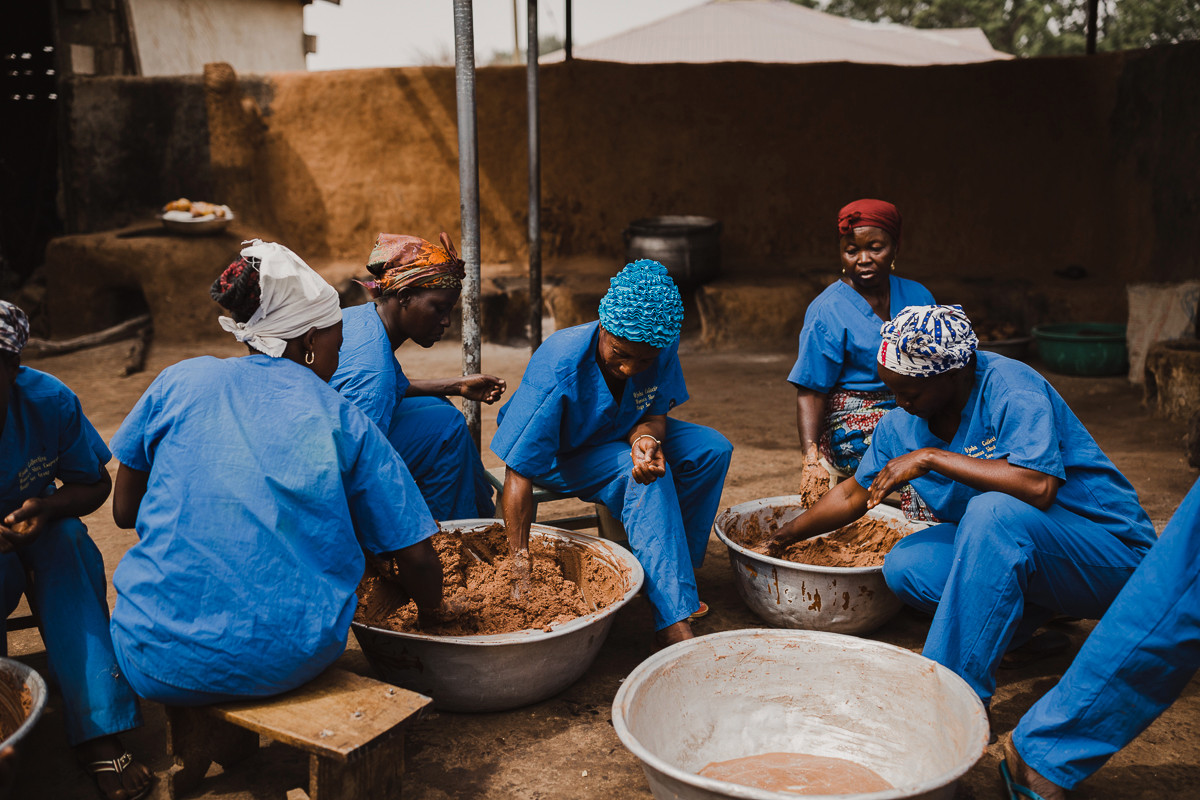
x=927, y=340
x=643, y=305
x=14, y=328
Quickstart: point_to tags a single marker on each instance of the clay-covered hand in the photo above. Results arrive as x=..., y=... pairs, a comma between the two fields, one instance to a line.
x=451, y=608
x=522, y=572
x=484, y=388
x=23, y=526
x=897, y=472
x=814, y=479
x=649, y=463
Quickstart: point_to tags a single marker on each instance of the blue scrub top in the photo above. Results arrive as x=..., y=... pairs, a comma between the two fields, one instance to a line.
x=264, y=487
x=368, y=373
x=1014, y=413
x=46, y=436
x=840, y=338
x=563, y=402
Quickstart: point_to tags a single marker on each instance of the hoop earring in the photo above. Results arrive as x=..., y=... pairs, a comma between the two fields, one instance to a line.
x=309, y=358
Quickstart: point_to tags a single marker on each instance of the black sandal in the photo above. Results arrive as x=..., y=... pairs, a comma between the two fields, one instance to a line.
x=117, y=765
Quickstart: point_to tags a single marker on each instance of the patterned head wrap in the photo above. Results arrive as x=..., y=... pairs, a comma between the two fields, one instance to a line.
x=923, y=341
x=292, y=298
x=643, y=305
x=869, y=213
x=14, y=328
x=400, y=262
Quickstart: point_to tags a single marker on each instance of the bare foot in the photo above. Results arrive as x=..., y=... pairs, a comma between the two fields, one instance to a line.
x=673, y=633
x=131, y=781
x=1025, y=775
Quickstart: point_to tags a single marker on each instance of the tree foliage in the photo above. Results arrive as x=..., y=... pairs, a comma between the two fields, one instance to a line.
x=1037, y=27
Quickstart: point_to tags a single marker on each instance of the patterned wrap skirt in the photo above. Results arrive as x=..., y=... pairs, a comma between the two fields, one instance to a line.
x=850, y=418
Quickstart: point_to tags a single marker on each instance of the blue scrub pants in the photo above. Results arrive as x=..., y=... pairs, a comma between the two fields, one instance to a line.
x=152, y=688
x=1137, y=661
x=667, y=521
x=431, y=435
x=1001, y=572
x=69, y=593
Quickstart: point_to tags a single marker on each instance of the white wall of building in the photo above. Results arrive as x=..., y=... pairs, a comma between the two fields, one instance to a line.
x=178, y=37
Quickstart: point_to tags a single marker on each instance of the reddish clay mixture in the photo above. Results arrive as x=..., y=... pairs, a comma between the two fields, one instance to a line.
x=566, y=581
x=862, y=543
x=12, y=695
x=798, y=773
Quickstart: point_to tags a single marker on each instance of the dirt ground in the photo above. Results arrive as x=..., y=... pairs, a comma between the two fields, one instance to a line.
x=565, y=747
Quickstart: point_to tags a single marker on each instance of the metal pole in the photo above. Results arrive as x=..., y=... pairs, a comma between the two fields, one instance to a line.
x=468, y=196
x=568, y=45
x=1093, y=19
x=532, y=50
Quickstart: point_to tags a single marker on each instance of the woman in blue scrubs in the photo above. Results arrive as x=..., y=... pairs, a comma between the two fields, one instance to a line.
x=255, y=489
x=52, y=472
x=1138, y=660
x=1039, y=521
x=416, y=286
x=839, y=395
x=590, y=419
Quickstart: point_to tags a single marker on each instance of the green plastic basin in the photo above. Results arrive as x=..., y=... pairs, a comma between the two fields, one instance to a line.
x=1082, y=348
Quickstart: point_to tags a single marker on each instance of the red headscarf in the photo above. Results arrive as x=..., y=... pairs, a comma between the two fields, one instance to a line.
x=869, y=213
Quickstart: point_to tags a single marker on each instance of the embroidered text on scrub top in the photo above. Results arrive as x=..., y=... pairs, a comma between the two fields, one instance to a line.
x=642, y=398
x=36, y=469
x=985, y=449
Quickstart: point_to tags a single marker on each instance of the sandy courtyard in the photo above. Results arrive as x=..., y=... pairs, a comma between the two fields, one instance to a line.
x=565, y=747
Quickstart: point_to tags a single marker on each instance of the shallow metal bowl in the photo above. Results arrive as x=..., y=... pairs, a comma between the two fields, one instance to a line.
x=20, y=676
x=744, y=693
x=791, y=595
x=504, y=670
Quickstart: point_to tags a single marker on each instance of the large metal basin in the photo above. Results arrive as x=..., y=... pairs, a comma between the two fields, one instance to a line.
x=19, y=676
x=506, y=670
x=790, y=595
x=743, y=693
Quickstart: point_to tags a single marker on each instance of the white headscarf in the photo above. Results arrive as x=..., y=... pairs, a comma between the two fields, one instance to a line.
x=294, y=298
x=927, y=340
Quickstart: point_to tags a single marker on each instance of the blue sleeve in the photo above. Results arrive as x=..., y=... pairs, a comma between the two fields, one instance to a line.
x=81, y=452
x=1026, y=433
x=886, y=444
x=820, y=357
x=371, y=393
x=672, y=389
x=530, y=429
x=386, y=506
x=134, y=442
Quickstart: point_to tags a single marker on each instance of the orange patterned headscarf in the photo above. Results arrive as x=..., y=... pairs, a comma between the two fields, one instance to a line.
x=410, y=262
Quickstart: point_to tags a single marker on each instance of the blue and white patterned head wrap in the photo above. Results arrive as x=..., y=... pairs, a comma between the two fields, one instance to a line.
x=14, y=328
x=927, y=340
x=643, y=305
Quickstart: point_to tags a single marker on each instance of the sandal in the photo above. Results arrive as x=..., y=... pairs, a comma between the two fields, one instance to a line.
x=700, y=612
x=1042, y=646
x=117, y=765
x=1017, y=791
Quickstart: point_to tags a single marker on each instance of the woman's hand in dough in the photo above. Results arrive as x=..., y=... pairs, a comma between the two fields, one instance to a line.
x=484, y=388
x=649, y=464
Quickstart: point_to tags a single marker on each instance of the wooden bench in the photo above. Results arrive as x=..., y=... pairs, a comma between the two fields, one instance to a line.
x=350, y=726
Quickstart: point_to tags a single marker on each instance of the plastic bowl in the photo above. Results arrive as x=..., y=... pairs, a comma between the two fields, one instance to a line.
x=791, y=595
x=743, y=693
x=17, y=676
x=504, y=670
x=1083, y=348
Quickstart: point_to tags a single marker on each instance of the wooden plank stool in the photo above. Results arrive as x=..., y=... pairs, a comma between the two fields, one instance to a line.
x=350, y=725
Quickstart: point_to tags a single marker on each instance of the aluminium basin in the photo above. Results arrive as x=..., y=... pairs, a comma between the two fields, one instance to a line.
x=505, y=670
x=790, y=595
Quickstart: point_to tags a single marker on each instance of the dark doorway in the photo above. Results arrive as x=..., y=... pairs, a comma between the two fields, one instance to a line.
x=29, y=108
